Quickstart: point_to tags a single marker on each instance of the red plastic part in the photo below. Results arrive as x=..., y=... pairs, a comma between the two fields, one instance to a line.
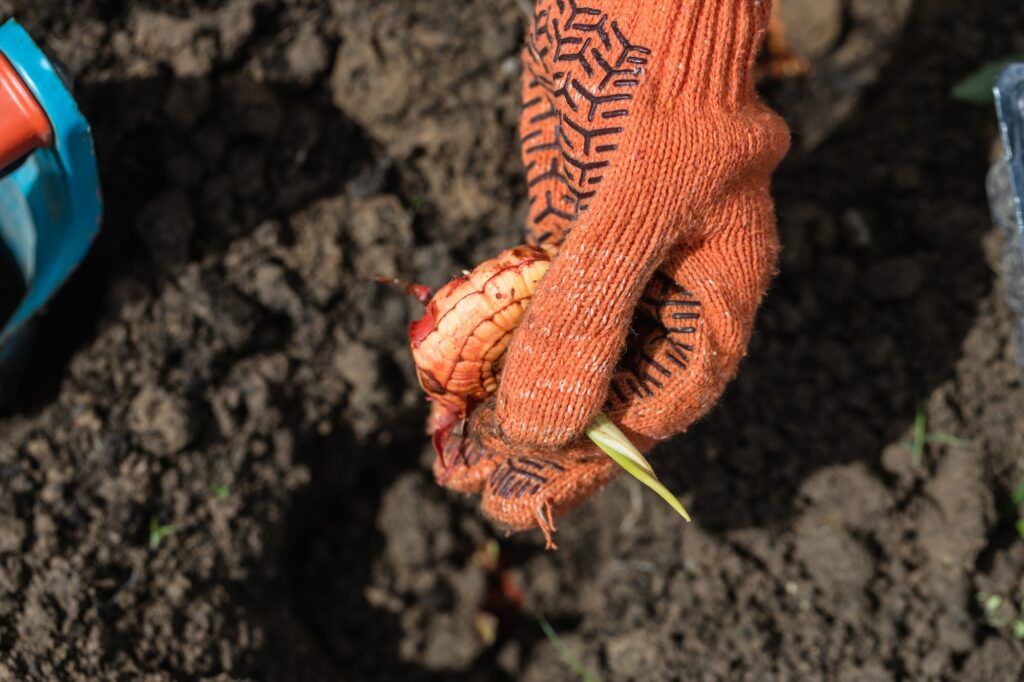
x=24, y=125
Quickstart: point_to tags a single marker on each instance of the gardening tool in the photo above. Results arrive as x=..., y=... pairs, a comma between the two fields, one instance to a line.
x=1005, y=187
x=50, y=204
x=1009, y=94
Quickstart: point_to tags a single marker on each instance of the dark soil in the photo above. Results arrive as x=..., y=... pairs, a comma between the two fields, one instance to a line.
x=216, y=467
x=12, y=284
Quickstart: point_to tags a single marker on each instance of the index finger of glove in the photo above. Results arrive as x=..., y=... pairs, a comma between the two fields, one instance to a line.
x=559, y=364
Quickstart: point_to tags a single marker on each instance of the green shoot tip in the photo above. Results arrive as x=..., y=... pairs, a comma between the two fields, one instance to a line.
x=614, y=443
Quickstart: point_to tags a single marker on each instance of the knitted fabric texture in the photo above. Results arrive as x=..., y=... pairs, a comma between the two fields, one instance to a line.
x=648, y=158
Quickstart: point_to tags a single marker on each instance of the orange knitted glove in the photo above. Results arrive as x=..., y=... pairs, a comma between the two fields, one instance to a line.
x=648, y=159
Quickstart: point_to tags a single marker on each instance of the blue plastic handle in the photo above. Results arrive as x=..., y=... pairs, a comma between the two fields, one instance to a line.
x=1009, y=94
x=50, y=206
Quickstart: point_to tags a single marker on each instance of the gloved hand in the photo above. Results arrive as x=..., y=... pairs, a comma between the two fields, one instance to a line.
x=648, y=159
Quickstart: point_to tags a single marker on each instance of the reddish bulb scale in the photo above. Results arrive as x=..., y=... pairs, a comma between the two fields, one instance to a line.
x=468, y=325
x=458, y=343
x=421, y=292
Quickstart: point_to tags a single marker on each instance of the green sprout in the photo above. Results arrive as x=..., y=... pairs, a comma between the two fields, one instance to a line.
x=563, y=651
x=1016, y=500
x=922, y=437
x=977, y=87
x=417, y=202
x=1017, y=496
x=614, y=443
x=220, y=491
x=991, y=604
x=1000, y=614
x=159, y=531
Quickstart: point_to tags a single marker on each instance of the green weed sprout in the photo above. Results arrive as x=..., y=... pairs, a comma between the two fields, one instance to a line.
x=570, y=659
x=159, y=531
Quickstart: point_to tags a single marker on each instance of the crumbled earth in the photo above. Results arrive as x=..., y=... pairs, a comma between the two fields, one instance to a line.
x=216, y=468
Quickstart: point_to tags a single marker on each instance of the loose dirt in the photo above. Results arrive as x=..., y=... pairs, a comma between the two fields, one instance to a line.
x=216, y=468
